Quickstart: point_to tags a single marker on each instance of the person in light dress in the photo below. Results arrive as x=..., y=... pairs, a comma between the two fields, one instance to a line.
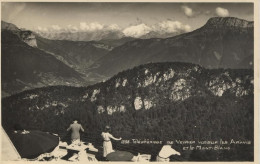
x=165, y=153
x=107, y=144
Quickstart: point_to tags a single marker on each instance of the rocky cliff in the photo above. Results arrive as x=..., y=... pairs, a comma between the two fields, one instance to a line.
x=26, y=36
x=25, y=67
x=176, y=83
x=228, y=23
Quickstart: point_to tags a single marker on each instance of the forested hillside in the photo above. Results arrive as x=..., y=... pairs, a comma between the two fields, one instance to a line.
x=157, y=101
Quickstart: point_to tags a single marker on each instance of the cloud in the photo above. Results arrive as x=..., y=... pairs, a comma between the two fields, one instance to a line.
x=187, y=11
x=137, y=31
x=41, y=29
x=56, y=27
x=113, y=27
x=186, y=28
x=82, y=27
x=222, y=12
x=163, y=27
x=160, y=28
x=171, y=27
x=72, y=28
x=90, y=27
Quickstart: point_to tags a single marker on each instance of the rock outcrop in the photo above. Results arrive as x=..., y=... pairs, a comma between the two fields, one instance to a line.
x=153, y=83
x=228, y=23
x=25, y=35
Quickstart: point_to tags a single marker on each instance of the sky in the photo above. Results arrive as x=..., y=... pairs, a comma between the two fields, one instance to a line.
x=137, y=18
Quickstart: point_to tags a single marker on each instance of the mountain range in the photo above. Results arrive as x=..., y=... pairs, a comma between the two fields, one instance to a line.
x=82, y=36
x=220, y=43
x=113, y=32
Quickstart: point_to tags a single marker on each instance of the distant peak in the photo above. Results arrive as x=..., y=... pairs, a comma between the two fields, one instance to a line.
x=9, y=26
x=228, y=22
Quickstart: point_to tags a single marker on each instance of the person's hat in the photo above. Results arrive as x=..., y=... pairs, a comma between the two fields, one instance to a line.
x=107, y=127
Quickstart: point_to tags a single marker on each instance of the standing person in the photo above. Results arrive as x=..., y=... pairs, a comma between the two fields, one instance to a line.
x=107, y=144
x=75, y=128
x=165, y=153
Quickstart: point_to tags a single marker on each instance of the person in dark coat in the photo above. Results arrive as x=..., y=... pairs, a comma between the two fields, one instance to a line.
x=75, y=128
